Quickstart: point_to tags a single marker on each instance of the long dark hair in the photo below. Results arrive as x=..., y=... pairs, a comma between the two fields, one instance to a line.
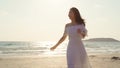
x=78, y=17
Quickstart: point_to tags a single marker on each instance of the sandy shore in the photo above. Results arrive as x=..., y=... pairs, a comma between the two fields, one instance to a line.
x=96, y=61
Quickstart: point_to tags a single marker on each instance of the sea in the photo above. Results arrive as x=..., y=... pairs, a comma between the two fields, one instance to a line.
x=25, y=48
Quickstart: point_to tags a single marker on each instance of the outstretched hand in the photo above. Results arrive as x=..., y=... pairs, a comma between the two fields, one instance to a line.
x=53, y=48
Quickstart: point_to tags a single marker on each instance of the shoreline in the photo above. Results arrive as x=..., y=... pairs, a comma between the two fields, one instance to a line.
x=96, y=61
x=89, y=54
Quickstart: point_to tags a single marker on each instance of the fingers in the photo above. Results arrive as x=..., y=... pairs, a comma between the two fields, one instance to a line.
x=52, y=48
x=79, y=31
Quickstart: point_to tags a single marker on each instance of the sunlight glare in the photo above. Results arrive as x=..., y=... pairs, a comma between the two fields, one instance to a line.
x=56, y=2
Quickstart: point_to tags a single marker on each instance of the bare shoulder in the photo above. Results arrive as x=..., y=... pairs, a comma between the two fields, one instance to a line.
x=68, y=24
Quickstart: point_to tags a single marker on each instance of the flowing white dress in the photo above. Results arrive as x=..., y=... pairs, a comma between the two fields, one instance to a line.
x=76, y=53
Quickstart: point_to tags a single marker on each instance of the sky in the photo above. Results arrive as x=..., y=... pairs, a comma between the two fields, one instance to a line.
x=44, y=20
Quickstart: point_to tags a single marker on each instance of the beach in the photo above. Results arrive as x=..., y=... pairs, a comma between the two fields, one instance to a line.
x=37, y=55
x=96, y=61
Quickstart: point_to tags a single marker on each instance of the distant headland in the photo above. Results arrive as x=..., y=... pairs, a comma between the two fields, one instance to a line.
x=102, y=40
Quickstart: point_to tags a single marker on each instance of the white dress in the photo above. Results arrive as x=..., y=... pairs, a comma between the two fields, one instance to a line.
x=76, y=53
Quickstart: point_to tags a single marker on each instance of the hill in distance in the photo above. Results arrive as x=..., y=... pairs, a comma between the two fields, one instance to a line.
x=102, y=40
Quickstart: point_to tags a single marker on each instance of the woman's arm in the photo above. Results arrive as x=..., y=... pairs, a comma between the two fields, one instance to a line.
x=60, y=41
x=81, y=33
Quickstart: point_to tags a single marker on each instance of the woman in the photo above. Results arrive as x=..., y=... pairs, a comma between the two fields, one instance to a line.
x=76, y=53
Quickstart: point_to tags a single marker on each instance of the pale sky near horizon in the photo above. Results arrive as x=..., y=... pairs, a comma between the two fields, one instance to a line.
x=44, y=20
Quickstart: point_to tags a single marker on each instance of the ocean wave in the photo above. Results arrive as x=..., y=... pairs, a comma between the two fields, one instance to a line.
x=43, y=48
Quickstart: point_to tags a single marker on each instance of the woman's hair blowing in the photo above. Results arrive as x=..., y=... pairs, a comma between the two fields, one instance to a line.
x=77, y=15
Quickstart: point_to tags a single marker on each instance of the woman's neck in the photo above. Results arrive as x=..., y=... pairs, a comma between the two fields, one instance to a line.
x=73, y=22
